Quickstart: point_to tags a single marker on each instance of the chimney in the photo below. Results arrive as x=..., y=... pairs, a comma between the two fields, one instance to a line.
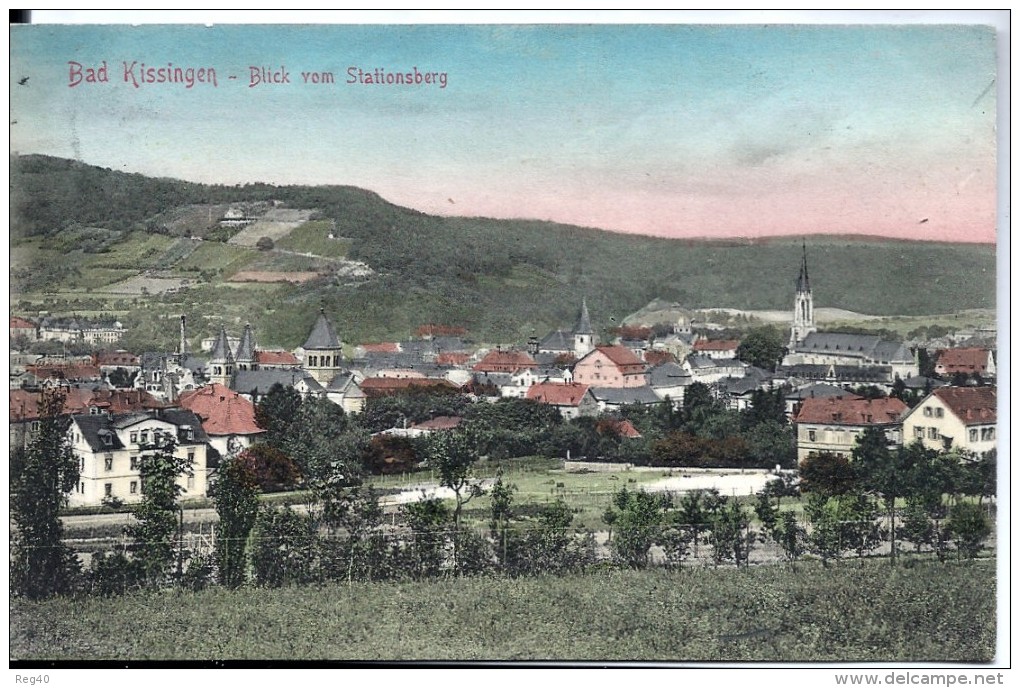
x=183, y=345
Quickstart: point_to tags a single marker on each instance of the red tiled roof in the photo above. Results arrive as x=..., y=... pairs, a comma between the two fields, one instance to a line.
x=716, y=345
x=381, y=386
x=845, y=411
x=115, y=358
x=972, y=405
x=24, y=404
x=504, y=362
x=66, y=372
x=276, y=358
x=627, y=429
x=452, y=358
x=655, y=358
x=21, y=324
x=382, y=348
x=963, y=360
x=439, y=423
x=623, y=358
x=221, y=410
x=558, y=394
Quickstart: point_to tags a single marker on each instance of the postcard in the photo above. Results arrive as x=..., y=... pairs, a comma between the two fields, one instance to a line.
x=663, y=342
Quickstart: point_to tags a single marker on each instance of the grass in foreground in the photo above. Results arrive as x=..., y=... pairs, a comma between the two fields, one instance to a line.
x=853, y=611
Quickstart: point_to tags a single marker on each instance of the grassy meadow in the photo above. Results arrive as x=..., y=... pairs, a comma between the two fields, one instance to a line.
x=850, y=612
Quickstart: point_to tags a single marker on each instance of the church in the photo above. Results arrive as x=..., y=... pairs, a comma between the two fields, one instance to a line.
x=839, y=357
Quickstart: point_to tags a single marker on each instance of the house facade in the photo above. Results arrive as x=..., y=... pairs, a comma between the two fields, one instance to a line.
x=109, y=450
x=571, y=400
x=611, y=366
x=967, y=361
x=227, y=417
x=954, y=418
x=833, y=424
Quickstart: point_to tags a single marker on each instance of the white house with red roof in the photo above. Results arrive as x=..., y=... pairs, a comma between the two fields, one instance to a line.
x=571, y=400
x=833, y=424
x=227, y=417
x=968, y=361
x=23, y=328
x=954, y=418
x=716, y=348
x=504, y=361
x=611, y=366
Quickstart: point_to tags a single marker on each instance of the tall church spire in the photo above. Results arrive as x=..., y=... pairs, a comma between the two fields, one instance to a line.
x=803, y=283
x=803, y=305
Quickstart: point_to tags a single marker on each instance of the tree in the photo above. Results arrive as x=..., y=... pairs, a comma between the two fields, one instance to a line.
x=121, y=378
x=236, y=493
x=275, y=413
x=451, y=453
x=763, y=347
x=637, y=518
x=767, y=406
x=427, y=519
x=158, y=471
x=731, y=535
x=42, y=474
x=969, y=527
x=325, y=445
x=271, y=469
x=827, y=474
x=264, y=244
x=501, y=497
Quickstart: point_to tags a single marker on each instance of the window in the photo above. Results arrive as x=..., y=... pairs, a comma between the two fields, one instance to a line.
x=811, y=435
x=81, y=488
x=940, y=412
x=987, y=433
x=134, y=487
x=145, y=436
x=191, y=482
x=36, y=425
x=191, y=457
x=927, y=411
x=108, y=463
x=973, y=435
x=933, y=433
x=134, y=438
x=313, y=361
x=81, y=464
x=918, y=433
x=134, y=463
x=108, y=489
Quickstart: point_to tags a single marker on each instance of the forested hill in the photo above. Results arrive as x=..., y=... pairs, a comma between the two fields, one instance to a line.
x=494, y=276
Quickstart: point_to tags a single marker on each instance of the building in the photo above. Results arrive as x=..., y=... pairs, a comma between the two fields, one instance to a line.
x=220, y=370
x=70, y=330
x=716, y=348
x=833, y=424
x=227, y=417
x=611, y=366
x=803, y=306
x=504, y=361
x=323, y=351
x=109, y=450
x=954, y=418
x=23, y=328
x=968, y=361
x=577, y=342
x=808, y=346
x=571, y=400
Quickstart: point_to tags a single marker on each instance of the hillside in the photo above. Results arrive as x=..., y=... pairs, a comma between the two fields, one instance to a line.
x=77, y=229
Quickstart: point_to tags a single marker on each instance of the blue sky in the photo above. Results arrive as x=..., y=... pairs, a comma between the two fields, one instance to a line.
x=660, y=129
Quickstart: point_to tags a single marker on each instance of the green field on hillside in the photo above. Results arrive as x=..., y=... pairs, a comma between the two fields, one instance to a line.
x=313, y=237
x=849, y=612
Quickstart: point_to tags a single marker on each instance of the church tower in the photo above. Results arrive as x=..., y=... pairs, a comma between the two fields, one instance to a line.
x=803, y=306
x=323, y=351
x=221, y=362
x=584, y=337
x=245, y=356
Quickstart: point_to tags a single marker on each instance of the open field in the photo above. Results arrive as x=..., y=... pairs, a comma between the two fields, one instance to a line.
x=313, y=237
x=275, y=224
x=853, y=611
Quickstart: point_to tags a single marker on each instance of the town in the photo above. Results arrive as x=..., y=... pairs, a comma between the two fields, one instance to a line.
x=814, y=392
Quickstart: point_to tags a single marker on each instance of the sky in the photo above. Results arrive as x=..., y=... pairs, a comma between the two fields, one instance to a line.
x=667, y=130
